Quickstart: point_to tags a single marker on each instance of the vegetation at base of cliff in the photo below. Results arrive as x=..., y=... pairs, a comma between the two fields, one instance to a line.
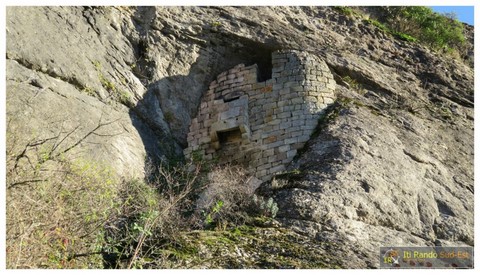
x=56, y=207
x=183, y=199
x=417, y=23
x=65, y=212
x=259, y=245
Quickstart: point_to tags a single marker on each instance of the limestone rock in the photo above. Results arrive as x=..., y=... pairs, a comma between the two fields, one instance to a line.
x=391, y=163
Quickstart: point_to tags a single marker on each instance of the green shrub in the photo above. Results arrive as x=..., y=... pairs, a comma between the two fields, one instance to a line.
x=435, y=29
x=344, y=10
x=353, y=84
x=405, y=37
x=58, y=207
x=439, y=31
x=267, y=208
x=209, y=216
x=377, y=24
x=137, y=220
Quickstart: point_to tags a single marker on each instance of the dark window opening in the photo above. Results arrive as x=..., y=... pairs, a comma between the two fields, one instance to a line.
x=230, y=136
x=262, y=56
x=264, y=65
x=232, y=96
x=230, y=99
x=248, y=52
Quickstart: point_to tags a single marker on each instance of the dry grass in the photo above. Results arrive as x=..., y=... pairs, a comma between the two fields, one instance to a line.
x=56, y=206
x=76, y=213
x=51, y=220
x=147, y=229
x=229, y=192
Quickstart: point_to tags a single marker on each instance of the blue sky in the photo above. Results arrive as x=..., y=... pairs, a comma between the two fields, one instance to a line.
x=464, y=13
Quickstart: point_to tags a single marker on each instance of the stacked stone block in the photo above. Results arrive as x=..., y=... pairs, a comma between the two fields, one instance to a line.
x=262, y=124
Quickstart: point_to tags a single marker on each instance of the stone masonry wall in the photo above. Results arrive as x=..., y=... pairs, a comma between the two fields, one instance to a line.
x=262, y=124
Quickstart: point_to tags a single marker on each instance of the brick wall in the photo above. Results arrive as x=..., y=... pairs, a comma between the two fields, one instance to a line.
x=262, y=124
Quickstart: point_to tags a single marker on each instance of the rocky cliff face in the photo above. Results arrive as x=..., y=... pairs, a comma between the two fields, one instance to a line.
x=391, y=163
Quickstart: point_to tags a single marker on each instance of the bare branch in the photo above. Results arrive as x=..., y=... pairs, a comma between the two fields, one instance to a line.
x=24, y=182
x=91, y=132
x=174, y=198
x=55, y=146
x=30, y=144
x=107, y=135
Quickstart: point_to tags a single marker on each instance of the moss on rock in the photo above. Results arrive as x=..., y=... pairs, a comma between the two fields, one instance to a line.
x=250, y=247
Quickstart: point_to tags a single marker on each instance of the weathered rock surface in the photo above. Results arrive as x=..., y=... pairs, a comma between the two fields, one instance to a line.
x=368, y=180
x=71, y=68
x=392, y=164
